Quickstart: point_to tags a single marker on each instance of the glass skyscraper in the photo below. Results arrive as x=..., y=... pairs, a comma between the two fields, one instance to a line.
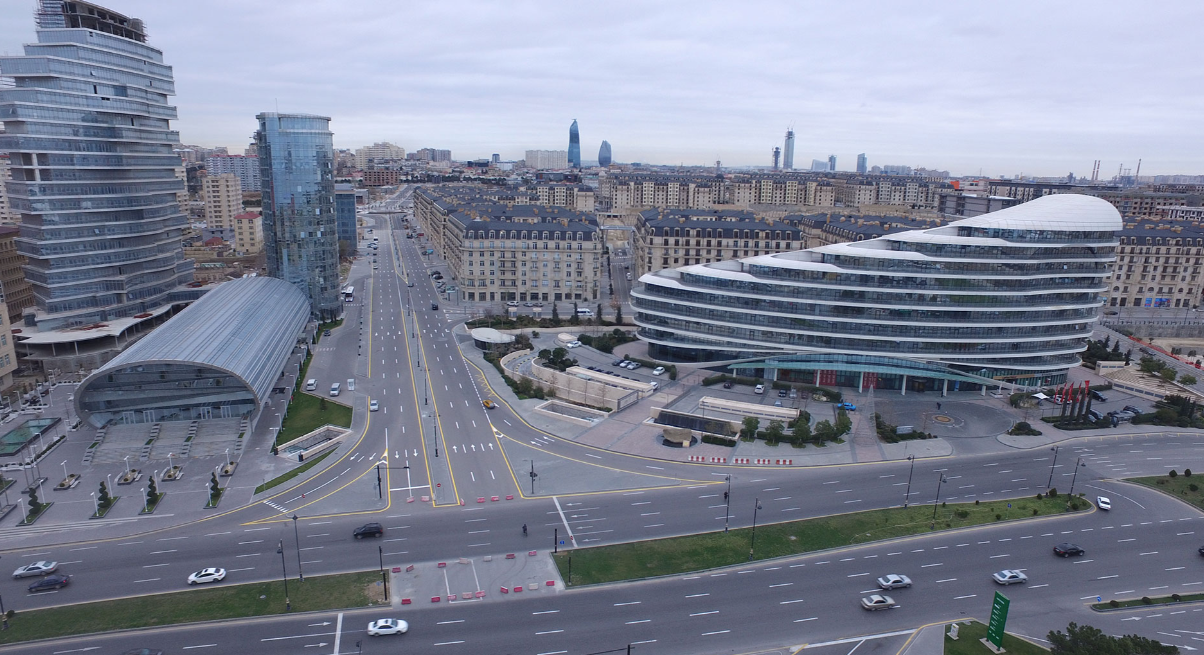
x=300, y=232
x=604, y=158
x=574, y=146
x=93, y=169
x=788, y=151
x=862, y=166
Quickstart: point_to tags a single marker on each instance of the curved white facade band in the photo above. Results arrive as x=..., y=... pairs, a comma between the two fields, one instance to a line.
x=1010, y=296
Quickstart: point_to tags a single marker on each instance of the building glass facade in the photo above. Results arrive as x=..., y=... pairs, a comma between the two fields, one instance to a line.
x=300, y=232
x=574, y=146
x=87, y=129
x=344, y=210
x=1006, y=297
x=604, y=157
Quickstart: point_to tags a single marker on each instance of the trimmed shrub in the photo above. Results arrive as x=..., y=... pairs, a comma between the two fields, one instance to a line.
x=1187, y=473
x=1114, y=603
x=1173, y=474
x=1146, y=600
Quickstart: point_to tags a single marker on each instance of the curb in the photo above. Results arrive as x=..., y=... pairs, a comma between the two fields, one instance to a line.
x=1105, y=610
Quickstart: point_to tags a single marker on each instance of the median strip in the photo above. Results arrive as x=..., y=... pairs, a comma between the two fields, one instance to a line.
x=700, y=552
x=320, y=592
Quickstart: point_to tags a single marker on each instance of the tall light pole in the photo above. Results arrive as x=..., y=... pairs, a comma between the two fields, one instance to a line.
x=937, y=502
x=1051, y=466
x=383, y=576
x=288, y=606
x=1077, y=464
x=753, y=542
x=297, y=536
x=907, y=498
x=727, y=498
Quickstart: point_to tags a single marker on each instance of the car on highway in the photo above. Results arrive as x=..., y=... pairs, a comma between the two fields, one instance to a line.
x=877, y=602
x=37, y=568
x=1202, y=550
x=142, y=651
x=387, y=627
x=326, y=333
x=49, y=583
x=894, y=581
x=434, y=306
x=1068, y=550
x=847, y=406
x=488, y=404
x=1103, y=502
x=369, y=530
x=373, y=406
x=1009, y=576
x=658, y=370
x=409, y=284
x=207, y=575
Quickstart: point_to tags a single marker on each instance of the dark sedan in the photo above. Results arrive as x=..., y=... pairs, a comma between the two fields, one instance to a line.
x=50, y=582
x=1068, y=550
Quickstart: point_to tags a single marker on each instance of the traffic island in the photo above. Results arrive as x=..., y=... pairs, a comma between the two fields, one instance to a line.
x=969, y=642
x=1148, y=601
x=228, y=469
x=1184, y=486
x=130, y=477
x=35, y=513
x=68, y=482
x=152, y=502
x=700, y=552
x=215, y=498
x=172, y=474
x=102, y=509
x=320, y=592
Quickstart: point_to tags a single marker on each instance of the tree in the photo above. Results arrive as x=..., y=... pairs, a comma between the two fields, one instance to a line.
x=215, y=489
x=35, y=505
x=751, y=424
x=575, y=319
x=1169, y=374
x=322, y=404
x=1107, y=340
x=843, y=423
x=802, y=431
x=102, y=497
x=1128, y=356
x=619, y=314
x=823, y=432
x=1087, y=640
x=152, y=492
x=1187, y=379
x=1150, y=365
x=555, y=312
x=774, y=433
x=598, y=318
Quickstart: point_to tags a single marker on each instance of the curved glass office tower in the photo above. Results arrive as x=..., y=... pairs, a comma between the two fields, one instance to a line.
x=94, y=175
x=604, y=157
x=1006, y=297
x=574, y=146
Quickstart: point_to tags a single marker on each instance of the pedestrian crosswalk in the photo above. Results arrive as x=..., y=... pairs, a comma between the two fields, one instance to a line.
x=276, y=507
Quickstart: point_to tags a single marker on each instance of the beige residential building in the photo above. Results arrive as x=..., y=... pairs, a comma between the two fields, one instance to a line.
x=382, y=151
x=1157, y=266
x=8, y=350
x=248, y=233
x=223, y=200
x=669, y=238
x=16, y=290
x=7, y=215
x=574, y=196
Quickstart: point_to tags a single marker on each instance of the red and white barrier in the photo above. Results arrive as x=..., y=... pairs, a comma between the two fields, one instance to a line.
x=406, y=601
x=435, y=599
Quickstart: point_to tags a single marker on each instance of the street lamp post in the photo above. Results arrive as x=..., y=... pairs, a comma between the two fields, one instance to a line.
x=1052, y=465
x=65, y=473
x=95, y=505
x=1077, y=464
x=907, y=498
x=288, y=606
x=753, y=542
x=145, y=501
x=297, y=536
x=383, y=576
x=127, y=465
x=937, y=502
x=727, y=498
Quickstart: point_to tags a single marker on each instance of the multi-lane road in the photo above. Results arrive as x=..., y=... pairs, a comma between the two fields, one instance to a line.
x=432, y=438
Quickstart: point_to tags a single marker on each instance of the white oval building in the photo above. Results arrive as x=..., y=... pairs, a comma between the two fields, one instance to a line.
x=1006, y=297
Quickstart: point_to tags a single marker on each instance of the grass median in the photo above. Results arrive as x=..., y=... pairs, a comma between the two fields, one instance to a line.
x=968, y=643
x=289, y=475
x=307, y=412
x=323, y=592
x=1185, y=486
x=645, y=559
x=1147, y=601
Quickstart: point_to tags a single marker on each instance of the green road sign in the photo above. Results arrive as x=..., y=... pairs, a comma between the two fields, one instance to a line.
x=999, y=618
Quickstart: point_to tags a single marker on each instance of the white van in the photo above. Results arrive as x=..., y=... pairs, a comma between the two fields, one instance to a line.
x=334, y=389
x=311, y=384
x=585, y=313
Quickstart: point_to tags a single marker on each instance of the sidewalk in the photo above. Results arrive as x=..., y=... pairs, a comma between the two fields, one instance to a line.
x=929, y=640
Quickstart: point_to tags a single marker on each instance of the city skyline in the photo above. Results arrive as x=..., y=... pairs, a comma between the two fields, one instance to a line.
x=912, y=87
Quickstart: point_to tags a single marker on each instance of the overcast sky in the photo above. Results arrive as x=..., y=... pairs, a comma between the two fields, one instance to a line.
x=1041, y=88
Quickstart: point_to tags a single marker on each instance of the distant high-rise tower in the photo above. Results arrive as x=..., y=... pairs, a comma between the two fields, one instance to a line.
x=777, y=154
x=861, y=163
x=574, y=145
x=831, y=163
x=87, y=129
x=604, y=154
x=300, y=230
x=788, y=158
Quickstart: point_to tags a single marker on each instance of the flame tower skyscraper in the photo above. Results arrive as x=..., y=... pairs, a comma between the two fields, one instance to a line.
x=574, y=146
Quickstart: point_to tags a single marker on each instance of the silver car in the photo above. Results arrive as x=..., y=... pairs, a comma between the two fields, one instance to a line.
x=894, y=581
x=877, y=602
x=37, y=568
x=1009, y=576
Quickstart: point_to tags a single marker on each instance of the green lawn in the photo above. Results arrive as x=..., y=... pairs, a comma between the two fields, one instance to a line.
x=1179, y=486
x=1154, y=600
x=968, y=642
x=305, y=414
x=675, y=555
x=281, y=479
x=325, y=592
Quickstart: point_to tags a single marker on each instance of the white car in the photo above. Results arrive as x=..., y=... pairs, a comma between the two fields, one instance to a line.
x=512, y=303
x=1103, y=502
x=573, y=344
x=658, y=370
x=387, y=627
x=894, y=581
x=1009, y=576
x=207, y=575
x=37, y=568
x=373, y=406
x=760, y=388
x=350, y=384
x=877, y=602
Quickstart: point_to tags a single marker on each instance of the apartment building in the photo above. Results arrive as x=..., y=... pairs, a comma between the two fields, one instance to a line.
x=543, y=159
x=574, y=196
x=7, y=215
x=8, y=349
x=222, y=195
x=1148, y=204
x=245, y=167
x=248, y=233
x=1157, y=266
x=668, y=238
x=16, y=290
x=381, y=151
x=500, y=252
x=380, y=177
x=624, y=191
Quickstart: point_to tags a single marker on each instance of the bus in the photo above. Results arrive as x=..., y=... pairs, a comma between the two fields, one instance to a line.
x=348, y=293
